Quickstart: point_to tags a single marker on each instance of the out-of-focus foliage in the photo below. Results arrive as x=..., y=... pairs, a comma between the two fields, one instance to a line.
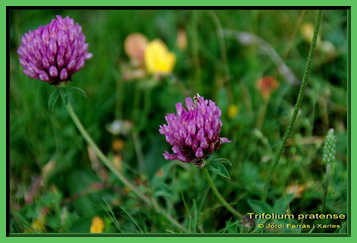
x=58, y=185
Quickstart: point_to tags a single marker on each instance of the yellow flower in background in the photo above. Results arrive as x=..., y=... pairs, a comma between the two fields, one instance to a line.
x=118, y=145
x=158, y=59
x=307, y=31
x=38, y=225
x=97, y=225
x=233, y=110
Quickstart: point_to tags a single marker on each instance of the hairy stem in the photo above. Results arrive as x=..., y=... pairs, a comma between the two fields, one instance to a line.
x=297, y=105
x=101, y=156
x=150, y=201
x=219, y=196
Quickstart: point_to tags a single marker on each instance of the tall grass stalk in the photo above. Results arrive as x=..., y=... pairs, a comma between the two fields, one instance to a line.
x=196, y=81
x=297, y=105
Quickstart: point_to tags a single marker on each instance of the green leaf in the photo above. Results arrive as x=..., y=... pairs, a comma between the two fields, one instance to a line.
x=194, y=217
x=53, y=99
x=80, y=225
x=165, y=191
x=220, y=160
x=88, y=204
x=282, y=204
x=260, y=207
x=219, y=169
x=65, y=94
x=80, y=91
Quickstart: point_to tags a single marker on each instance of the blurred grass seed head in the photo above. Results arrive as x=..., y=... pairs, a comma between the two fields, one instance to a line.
x=330, y=147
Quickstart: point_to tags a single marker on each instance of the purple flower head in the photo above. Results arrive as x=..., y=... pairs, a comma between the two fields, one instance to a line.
x=54, y=52
x=193, y=133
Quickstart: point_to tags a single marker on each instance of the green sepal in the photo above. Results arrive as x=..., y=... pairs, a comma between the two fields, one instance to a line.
x=79, y=91
x=219, y=169
x=52, y=99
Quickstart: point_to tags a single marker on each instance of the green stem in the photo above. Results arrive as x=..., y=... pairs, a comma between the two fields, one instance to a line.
x=101, y=156
x=219, y=196
x=150, y=201
x=262, y=114
x=297, y=105
x=139, y=153
x=326, y=185
x=196, y=81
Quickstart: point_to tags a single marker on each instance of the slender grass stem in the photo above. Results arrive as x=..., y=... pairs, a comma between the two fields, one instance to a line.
x=293, y=34
x=225, y=68
x=219, y=196
x=262, y=114
x=297, y=105
x=101, y=156
x=196, y=81
x=139, y=153
x=150, y=201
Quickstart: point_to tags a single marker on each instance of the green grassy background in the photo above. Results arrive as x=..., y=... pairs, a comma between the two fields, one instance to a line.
x=75, y=191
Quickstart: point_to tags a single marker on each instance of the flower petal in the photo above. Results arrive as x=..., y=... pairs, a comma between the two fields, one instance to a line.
x=225, y=140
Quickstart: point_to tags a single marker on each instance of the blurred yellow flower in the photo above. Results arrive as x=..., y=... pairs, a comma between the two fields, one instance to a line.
x=158, y=59
x=307, y=31
x=295, y=189
x=233, y=110
x=38, y=225
x=118, y=145
x=97, y=225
